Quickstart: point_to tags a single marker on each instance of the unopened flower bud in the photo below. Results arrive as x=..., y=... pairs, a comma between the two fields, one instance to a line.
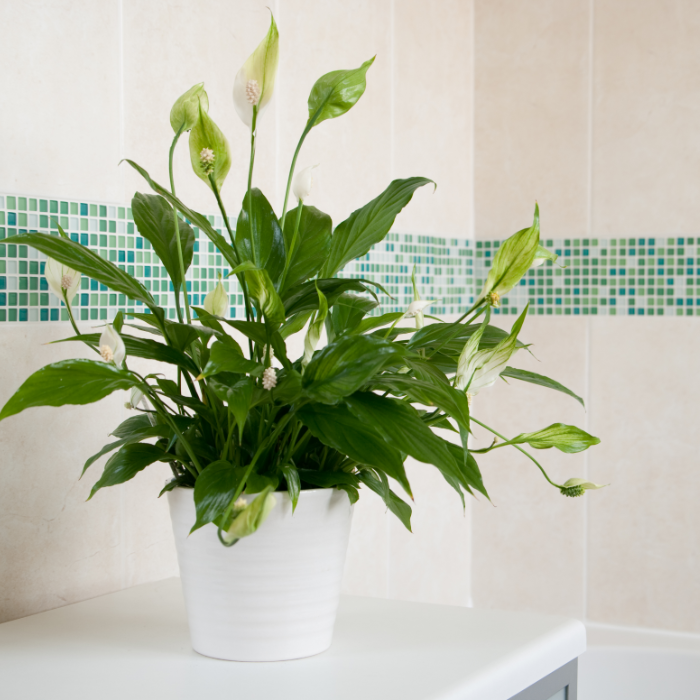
x=303, y=183
x=269, y=378
x=494, y=299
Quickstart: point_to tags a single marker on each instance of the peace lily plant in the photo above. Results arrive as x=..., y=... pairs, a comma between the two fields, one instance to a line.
x=241, y=422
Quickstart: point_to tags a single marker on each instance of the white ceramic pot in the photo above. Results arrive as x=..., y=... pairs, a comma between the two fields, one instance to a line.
x=274, y=595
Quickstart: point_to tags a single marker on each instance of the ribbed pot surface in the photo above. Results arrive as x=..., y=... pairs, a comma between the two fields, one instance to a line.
x=274, y=595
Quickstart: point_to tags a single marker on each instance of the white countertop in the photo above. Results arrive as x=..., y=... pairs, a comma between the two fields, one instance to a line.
x=134, y=645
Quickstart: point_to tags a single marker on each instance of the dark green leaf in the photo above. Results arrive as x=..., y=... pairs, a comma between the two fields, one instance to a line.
x=336, y=92
x=326, y=479
x=127, y=463
x=68, y=382
x=291, y=476
x=224, y=358
x=185, y=480
x=181, y=335
x=471, y=474
x=347, y=312
x=344, y=366
x=369, y=324
x=540, y=380
x=338, y=428
x=398, y=507
x=262, y=243
x=213, y=491
x=154, y=218
x=82, y=259
x=370, y=224
x=238, y=396
x=311, y=247
x=304, y=297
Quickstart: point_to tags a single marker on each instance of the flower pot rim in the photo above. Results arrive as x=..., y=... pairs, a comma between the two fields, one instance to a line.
x=284, y=492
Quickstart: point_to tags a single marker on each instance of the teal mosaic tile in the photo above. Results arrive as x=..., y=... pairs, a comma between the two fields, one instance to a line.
x=658, y=276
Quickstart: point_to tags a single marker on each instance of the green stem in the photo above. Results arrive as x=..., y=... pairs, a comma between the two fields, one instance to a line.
x=177, y=238
x=520, y=449
x=293, y=244
x=70, y=312
x=308, y=127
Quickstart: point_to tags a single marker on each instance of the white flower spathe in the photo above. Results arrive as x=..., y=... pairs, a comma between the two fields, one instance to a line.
x=216, y=302
x=303, y=183
x=61, y=278
x=137, y=398
x=112, y=346
x=416, y=307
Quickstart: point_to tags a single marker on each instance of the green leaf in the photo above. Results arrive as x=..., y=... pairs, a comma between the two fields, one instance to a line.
x=513, y=259
x=82, y=259
x=288, y=389
x=338, y=428
x=347, y=312
x=291, y=476
x=400, y=425
x=182, y=335
x=369, y=225
x=369, y=324
x=344, y=366
x=524, y=376
x=224, y=358
x=451, y=337
x=132, y=426
x=127, y=463
x=154, y=219
x=471, y=474
x=295, y=324
x=213, y=491
x=160, y=430
x=567, y=438
x=262, y=242
x=353, y=493
x=68, y=382
x=264, y=295
x=304, y=297
x=142, y=347
x=398, y=507
x=311, y=247
x=336, y=92
x=327, y=479
x=238, y=396
x=197, y=219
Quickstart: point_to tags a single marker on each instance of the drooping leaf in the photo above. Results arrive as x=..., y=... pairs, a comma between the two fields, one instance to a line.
x=344, y=366
x=336, y=92
x=81, y=258
x=399, y=508
x=372, y=322
x=238, y=396
x=338, y=428
x=213, y=491
x=311, y=247
x=400, y=425
x=68, y=382
x=540, y=380
x=291, y=476
x=127, y=463
x=369, y=225
x=224, y=358
x=154, y=218
x=471, y=474
x=327, y=479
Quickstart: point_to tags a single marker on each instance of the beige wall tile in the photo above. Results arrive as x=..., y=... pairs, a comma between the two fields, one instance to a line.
x=60, y=79
x=646, y=145
x=531, y=116
x=431, y=564
x=644, y=529
x=353, y=150
x=55, y=548
x=432, y=109
x=529, y=543
x=170, y=46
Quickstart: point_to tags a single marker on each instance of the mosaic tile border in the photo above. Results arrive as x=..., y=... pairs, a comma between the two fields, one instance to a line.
x=621, y=276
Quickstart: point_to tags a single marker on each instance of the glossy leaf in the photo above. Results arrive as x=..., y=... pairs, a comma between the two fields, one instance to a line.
x=82, y=259
x=291, y=476
x=127, y=463
x=470, y=472
x=347, y=312
x=304, y=297
x=369, y=324
x=336, y=92
x=401, y=426
x=344, y=366
x=68, y=382
x=399, y=508
x=224, y=358
x=311, y=247
x=154, y=218
x=213, y=491
x=264, y=295
x=370, y=224
x=532, y=378
x=338, y=428
x=327, y=479
x=261, y=242
x=238, y=396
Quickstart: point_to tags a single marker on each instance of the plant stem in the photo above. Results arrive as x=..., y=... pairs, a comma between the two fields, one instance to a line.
x=70, y=313
x=308, y=127
x=520, y=449
x=176, y=220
